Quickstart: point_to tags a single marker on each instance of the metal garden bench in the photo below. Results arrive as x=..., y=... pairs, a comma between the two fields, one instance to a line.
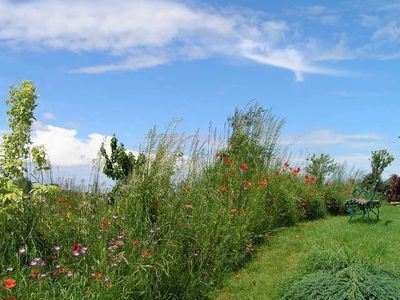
x=363, y=206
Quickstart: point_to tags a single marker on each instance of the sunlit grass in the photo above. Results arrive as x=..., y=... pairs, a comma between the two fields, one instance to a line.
x=278, y=260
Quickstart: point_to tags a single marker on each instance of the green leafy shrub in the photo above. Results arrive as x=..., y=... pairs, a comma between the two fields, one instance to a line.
x=335, y=195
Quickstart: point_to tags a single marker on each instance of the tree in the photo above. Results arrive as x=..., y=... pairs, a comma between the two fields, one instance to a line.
x=380, y=160
x=320, y=166
x=119, y=164
x=16, y=148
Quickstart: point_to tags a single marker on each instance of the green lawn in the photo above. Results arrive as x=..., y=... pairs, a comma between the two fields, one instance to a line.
x=278, y=260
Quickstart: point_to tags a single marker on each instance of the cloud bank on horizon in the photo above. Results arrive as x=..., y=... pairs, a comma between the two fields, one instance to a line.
x=144, y=34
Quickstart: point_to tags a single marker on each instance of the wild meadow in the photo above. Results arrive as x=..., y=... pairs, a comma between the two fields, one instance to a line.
x=182, y=215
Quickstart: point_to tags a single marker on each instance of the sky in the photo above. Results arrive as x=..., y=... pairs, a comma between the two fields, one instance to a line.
x=330, y=68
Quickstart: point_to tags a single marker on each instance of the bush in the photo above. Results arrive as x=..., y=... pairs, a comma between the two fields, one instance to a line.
x=335, y=195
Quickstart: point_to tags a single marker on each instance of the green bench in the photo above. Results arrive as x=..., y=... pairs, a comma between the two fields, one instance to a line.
x=359, y=205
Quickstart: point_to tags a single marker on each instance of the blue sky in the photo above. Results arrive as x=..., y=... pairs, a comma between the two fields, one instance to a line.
x=331, y=68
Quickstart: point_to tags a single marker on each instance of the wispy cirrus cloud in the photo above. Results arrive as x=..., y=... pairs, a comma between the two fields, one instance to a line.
x=143, y=34
x=328, y=137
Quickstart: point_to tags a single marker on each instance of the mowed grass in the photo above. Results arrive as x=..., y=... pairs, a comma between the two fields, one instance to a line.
x=279, y=259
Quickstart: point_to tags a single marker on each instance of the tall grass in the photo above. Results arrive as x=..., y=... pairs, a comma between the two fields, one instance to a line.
x=184, y=219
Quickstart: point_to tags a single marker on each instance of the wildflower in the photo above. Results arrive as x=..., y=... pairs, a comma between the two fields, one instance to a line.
x=233, y=172
x=233, y=211
x=35, y=261
x=297, y=171
x=96, y=275
x=186, y=189
x=244, y=167
x=223, y=188
x=187, y=206
x=62, y=270
x=218, y=154
x=247, y=183
x=121, y=234
x=145, y=254
x=54, y=257
x=42, y=275
x=34, y=273
x=10, y=269
x=106, y=224
x=278, y=173
x=9, y=283
x=262, y=183
x=22, y=250
x=69, y=274
x=114, y=217
x=267, y=178
x=57, y=248
x=63, y=202
x=54, y=274
x=286, y=164
x=109, y=285
x=75, y=253
x=106, y=279
x=228, y=161
x=84, y=250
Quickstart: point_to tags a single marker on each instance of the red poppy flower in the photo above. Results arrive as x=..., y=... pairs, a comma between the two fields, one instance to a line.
x=223, y=188
x=244, y=167
x=63, y=202
x=262, y=183
x=106, y=224
x=96, y=275
x=109, y=285
x=34, y=273
x=228, y=161
x=145, y=254
x=76, y=247
x=9, y=283
x=278, y=173
x=62, y=270
x=218, y=154
x=233, y=172
x=247, y=183
x=267, y=178
x=286, y=164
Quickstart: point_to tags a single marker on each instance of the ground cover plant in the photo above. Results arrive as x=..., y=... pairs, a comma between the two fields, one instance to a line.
x=183, y=213
x=335, y=275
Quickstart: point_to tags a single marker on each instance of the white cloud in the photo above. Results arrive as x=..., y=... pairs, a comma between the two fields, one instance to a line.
x=133, y=63
x=328, y=137
x=63, y=146
x=390, y=32
x=147, y=33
